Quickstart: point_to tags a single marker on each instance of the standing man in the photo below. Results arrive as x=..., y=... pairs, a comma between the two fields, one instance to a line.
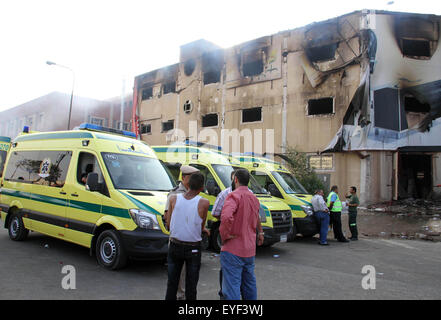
x=220, y=199
x=353, y=203
x=335, y=206
x=321, y=212
x=216, y=212
x=239, y=221
x=188, y=214
x=183, y=187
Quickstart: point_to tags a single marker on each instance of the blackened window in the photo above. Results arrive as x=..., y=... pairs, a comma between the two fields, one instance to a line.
x=412, y=104
x=147, y=93
x=146, y=128
x=416, y=48
x=212, y=76
x=48, y=168
x=252, y=62
x=322, y=53
x=320, y=106
x=189, y=67
x=212, y=64
x=169, y=87
x=252, y=68
x=210, y=120
x=168, y=125
x=252, y=115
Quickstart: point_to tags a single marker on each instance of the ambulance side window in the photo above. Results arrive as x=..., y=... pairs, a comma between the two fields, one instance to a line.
x=46, y=168
x=174, y=169
x=3, y=155
x=262, y=178
x=211, y=186
x=88, y=163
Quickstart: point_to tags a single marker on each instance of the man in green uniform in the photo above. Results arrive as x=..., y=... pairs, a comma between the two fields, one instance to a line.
x=335, y=206
x=353, y=203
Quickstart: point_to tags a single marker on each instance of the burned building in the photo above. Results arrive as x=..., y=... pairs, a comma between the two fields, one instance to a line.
x=359, y=93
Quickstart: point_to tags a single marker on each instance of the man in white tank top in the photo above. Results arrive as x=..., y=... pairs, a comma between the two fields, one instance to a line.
x=188, y=214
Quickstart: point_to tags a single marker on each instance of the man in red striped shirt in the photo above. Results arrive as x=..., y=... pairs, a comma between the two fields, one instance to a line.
x=239, y=221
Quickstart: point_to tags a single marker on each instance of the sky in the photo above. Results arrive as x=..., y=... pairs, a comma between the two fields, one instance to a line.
x=105, y=44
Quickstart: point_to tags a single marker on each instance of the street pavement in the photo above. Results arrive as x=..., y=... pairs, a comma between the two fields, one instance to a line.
x=404, y=269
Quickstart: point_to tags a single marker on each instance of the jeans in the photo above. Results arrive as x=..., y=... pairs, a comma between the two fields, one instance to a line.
x=353, y=224
x=323, y=220
x=238, y=277
x=179, y=254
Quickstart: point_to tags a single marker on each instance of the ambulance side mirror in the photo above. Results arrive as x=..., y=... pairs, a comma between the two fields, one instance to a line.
x=92, y=182
x=212, y=188
x=274, y=191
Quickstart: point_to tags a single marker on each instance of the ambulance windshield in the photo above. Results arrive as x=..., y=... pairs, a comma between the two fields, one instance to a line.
x=136, y=172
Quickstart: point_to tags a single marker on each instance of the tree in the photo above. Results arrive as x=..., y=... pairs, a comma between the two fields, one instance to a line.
x=297, y=163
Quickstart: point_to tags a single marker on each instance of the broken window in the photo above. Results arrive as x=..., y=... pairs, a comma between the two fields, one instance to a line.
x=417, y=36
x=188, y=106
x=147, y=93
x=169, y=87
x=320, y=106
x=146, y=128
x=212, y=76
x=252, y=115
x=252, y=62
x=168, y=125
x=416, y=48
x=322, y=53
x=412, y=104
x=212, y=64
x=210, y=120
x=189, y=67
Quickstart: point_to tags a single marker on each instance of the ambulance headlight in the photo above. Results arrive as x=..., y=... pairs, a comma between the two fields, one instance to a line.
x=262, y=215
x=307, y=210
x=145, y=220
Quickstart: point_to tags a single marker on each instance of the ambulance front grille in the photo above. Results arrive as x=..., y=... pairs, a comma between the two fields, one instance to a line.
x=282, y=221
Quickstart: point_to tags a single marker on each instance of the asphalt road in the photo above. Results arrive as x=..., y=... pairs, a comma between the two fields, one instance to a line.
x=404, y=269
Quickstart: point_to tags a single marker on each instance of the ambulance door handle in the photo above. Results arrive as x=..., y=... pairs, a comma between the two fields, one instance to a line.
x=74, y=194
x=63, y=193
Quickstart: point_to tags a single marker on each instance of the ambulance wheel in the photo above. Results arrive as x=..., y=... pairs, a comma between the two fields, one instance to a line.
x=17, y=230
x=293, y=235
x=109, y=250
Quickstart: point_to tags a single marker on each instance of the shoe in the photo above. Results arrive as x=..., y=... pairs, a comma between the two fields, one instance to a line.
x=353, y=239
x=323, y=244
x=343, y=240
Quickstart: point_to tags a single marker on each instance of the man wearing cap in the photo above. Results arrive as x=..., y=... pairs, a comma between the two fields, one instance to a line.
x=182, y=188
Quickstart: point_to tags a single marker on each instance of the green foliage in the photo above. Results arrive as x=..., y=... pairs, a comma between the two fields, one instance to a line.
x=297, y=163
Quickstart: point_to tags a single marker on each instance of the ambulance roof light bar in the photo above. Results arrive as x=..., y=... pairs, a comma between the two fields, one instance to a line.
x=94, y=127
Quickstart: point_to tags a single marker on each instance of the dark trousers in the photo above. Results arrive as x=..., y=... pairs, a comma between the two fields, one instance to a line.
x=336, y=226
x=178, y=254
x=353, y=224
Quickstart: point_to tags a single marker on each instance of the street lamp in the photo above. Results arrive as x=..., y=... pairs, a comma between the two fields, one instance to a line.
x=50, y=63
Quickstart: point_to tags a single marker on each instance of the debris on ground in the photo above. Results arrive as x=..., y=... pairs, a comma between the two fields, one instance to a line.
x=410, y=219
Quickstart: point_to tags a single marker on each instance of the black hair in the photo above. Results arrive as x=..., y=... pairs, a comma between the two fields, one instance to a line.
x=354, y=188
x=334, y=188
x=196, y=181
x=243, y=176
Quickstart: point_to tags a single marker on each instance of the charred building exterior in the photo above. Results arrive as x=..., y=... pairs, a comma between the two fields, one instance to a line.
x=360, y=94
